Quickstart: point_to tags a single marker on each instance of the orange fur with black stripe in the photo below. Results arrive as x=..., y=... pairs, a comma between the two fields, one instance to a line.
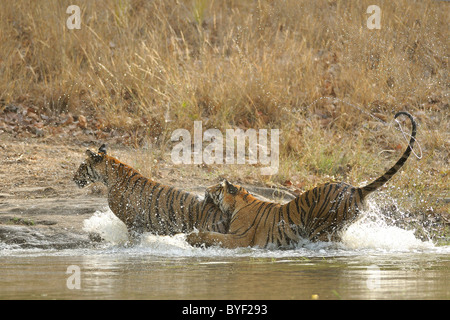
x=317, y=214
x=145, y=205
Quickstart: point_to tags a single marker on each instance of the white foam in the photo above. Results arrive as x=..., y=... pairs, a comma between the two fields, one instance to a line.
x=108, y=226
x=372, y=231
x=175, y=245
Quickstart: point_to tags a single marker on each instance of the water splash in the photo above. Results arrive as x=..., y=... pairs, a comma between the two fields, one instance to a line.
x=108, y=226
x=372, y=231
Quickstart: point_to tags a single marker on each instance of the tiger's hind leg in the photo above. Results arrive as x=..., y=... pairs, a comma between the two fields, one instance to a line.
x=214, y=239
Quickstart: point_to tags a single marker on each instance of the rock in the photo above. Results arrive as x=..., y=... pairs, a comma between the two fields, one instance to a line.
x=68, y=120
x=82, y=122
x=11, y=108
x=31, y=113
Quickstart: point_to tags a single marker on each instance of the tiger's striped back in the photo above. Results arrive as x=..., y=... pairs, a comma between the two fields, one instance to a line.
x=145, y=205
x=325, y=210
x=317, y=214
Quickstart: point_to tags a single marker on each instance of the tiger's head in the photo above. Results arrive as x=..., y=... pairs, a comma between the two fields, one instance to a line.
x=228, y=197
x=92, y=169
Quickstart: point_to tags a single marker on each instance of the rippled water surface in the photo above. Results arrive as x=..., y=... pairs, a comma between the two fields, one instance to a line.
x=374, y=261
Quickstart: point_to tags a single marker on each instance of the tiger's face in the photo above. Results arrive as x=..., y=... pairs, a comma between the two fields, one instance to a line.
x=92, y=169
x=228, y=197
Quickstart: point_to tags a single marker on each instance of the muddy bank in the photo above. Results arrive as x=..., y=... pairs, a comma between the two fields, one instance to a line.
x=48, y=223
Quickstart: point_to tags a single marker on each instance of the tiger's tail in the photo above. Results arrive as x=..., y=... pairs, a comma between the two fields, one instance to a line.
x=388, y=175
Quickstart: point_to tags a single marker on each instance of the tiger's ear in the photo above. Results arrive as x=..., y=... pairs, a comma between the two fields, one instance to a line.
x=102, y=149
x=231, y=188
x=94, y=156
x=90, y=154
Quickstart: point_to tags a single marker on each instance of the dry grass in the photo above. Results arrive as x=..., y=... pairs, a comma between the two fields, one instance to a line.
x=153, y=66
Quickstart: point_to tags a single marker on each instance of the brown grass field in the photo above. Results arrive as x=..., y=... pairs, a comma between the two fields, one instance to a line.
x=137, y=70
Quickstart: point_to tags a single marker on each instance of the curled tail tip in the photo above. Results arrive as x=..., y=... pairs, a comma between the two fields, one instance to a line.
x=413, y=121
x=404, y=113
x=413, y=129
x=392, y=171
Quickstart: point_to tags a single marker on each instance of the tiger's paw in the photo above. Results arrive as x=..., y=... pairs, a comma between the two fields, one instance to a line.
x=195, y=239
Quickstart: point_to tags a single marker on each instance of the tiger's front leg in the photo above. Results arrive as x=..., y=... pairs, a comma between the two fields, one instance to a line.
x=212, y=239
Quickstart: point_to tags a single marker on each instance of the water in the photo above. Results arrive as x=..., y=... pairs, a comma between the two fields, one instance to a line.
x=373, y=261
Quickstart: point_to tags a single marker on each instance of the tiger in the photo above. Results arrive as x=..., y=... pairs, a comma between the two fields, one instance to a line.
x=145, y=205
x=319, y=214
